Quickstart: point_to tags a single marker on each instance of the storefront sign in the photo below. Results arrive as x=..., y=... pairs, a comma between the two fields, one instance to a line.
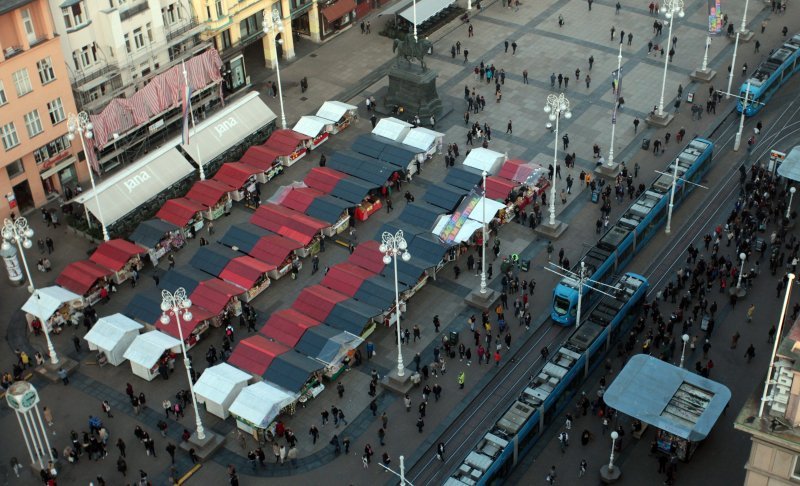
x=136, y=180
x=225, y=125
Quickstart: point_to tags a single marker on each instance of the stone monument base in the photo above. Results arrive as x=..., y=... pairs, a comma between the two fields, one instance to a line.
x=414, y=90
x=205, y=447
x=551, y=231
x=481, y=301
x=609, y=475
x=703, y=75
x=659, y=121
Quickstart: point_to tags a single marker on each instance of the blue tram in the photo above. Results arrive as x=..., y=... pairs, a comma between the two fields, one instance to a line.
x=771, y=75
x=546, y=395
x=633, y=230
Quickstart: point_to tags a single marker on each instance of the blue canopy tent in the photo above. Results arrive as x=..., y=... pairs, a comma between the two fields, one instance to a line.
x=327, y=344
x=463, y=177
x=150, y=232
x=213, y=258
x=381, y=148
x=145, y=306
x=352, y=316
x=353, y=189
x=244, y=236
x=427, y=248
x=187, y=277
x=292, y=370
x=421, y=215
x=328, y=208
x=377, y=291
x=444, y=196
x=374, y=171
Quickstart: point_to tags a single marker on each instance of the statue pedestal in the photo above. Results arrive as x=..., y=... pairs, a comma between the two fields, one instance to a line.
x=414, y=90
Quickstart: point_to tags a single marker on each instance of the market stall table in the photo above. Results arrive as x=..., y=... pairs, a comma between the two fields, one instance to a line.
x=218, y=387
x=50, y=305
x=150, y=350
x=111, y=336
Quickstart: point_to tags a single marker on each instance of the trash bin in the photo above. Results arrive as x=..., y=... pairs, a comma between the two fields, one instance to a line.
x=453, y=339
x=525, y=265
x=595, y=196
x=645, y=144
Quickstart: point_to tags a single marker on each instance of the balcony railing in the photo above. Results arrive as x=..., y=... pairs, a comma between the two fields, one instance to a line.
x=107, y=70
x=133, y=10
x=173, y=33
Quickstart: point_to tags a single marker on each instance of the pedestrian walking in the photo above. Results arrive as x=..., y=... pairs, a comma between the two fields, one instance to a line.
x=750, y=311
x=340, y=389
x=106, y=408
x=750, y=353
x=462, y=377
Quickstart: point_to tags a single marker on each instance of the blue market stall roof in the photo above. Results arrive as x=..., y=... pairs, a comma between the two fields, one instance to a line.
x=352, y=316
x=670, y=398
x=445, y=196
x=381, y=148
x=374, y=171
x=427, y=248
x=463, y=177
x=291, y=370
x=407, y=272
x=244, y=236
x=150, y=232
x=213, y=258
x=145, y=306
x=328, y=208
x=315, y=340
x=377, y=291
x=185, y=276
x=353, y=189
x=422, y=215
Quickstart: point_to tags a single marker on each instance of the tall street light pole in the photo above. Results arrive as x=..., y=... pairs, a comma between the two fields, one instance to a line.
x=685, y=339
x=733, y=67
x=178, y=305
x=392, y=247
x=616, y=107
x=737, y=141
x=485, y=242
x=669, y=9
x=792, y=190
x=555, y=106
x=80, y=123
x=275, y=26
x=668, y=228
x=20, y=233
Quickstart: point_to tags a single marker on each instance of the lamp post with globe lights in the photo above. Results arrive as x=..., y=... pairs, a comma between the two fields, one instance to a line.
x=739, y=290
x=685, y=339
x=392, y=247
x=792, y=190
x=81, y=125
x=670, y=9
x=273, y=26
x=610, y=473
x=177, y=305
x=555, y=107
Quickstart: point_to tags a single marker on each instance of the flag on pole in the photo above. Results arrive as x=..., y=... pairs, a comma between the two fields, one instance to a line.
x=186, y=104
x=91, y=158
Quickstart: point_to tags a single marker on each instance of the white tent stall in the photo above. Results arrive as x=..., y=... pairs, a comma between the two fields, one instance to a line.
x=392, y=128
x=258, y=405
x=425, y=139
x=315, y=127
x=111, y=336
x=340, y=114
x=51, y=305
x=484, y=159
x=147, y=351
x=218, y=386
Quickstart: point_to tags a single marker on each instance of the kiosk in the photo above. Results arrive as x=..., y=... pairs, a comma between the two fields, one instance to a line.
x=258, y=405
x=85, y=278
x=341, y=114
x=159, y=237
x=317, y=128
x=150, y=350
x=121, y=256
x=183, y=213
x=111, y=336
x=218, y=387
x=215, y=195
x=49, y=306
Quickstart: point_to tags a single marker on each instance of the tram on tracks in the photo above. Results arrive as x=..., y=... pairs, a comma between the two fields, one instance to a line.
x=770, y=75
x=546, y=395
x=634, y=229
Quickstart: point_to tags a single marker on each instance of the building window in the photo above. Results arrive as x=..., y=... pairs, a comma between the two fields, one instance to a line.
x=128, y=43
x=22, y=82
x=27, y=23
x=149, y=28
x=219, y=9
x=251, y=25
x=73, y=15
x=796, y=468
x=9, y=134
x=33, y=123
x=15, y=169
x=226, y=39
x=52, y=149
x=3, y=98
x=56, y=110
x=138, y=37
x=46, y=73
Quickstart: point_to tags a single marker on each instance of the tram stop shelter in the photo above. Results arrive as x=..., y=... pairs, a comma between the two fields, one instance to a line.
x=790, y=166
x=682, y=406
x=112, y=335
x=219, y=386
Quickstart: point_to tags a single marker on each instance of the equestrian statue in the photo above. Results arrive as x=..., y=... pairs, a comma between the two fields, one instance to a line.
x=409, y=48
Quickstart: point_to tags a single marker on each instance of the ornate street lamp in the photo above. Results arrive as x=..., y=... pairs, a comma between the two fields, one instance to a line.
x=392, y=247
x=80, y=123
x=555, y=106
x=670, y=8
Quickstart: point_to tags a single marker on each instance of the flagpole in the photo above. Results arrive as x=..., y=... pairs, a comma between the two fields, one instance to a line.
x=188, y=107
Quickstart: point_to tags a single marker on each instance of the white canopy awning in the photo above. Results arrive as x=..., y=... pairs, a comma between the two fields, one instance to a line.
x=392, y=128
x=46, y=301
x=425, y=10
x=422, y=138
x=491, y=208
x=228, y=127
x=126, y=190
x=464, y=233
x=147, y=348
x=484, y=159
x=790, y=167
x=217, y=382
x=108, y=331
x=311, y=126
x=334, y=110
x=260, y=403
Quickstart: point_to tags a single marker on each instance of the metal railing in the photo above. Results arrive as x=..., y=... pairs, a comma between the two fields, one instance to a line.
x=109, y=68
x=133, y=10
x=173, y=33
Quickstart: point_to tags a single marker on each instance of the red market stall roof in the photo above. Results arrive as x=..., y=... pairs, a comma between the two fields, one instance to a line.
x=260, y=156
x=521, y=171
x=287, y=326
x=114, y=254
x=214, y=294
x=367, y=255
x=78, y=277
x=235, y=174
x=288, y=223
x=208, y=192
x=199, y=315
x=317, y=301
x=498, y=188
x=346, y=278
x=300, y=198
x=245, y=271
x=324, y=179
x=180, y=211
x=255, y=353
x=274, y=249
x=286, y=141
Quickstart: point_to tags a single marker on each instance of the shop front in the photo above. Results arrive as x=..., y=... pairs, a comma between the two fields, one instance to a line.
x=337, y=16
x=151, y=353
x=159, y=237
x=121, y=256
x=185, y=214
x=338, y=113
x=214, y=195
x=87, y=279
x=318, y=129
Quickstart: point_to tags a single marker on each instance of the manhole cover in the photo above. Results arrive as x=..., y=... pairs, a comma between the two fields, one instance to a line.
x=303, y=99
x=313, y=55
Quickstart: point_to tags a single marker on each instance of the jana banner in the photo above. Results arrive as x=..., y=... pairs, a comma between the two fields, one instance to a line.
x=714, y=17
